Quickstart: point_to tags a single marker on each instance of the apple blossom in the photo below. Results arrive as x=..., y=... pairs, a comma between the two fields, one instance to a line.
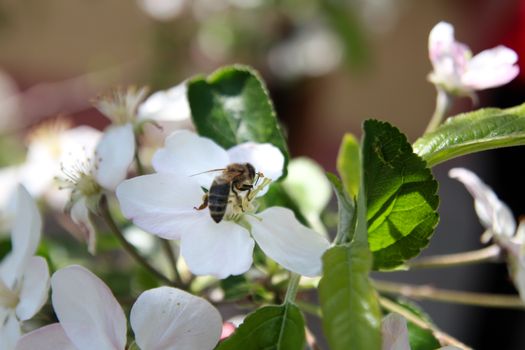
x=90, y=318
x=457, y=72
x=163, y=204
x=499, y=222
x=394, y=332
x=24, y=278
x=87, y=177
x=51, y=146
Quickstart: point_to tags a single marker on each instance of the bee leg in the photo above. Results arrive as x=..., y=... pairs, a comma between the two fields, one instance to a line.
x=204, y=203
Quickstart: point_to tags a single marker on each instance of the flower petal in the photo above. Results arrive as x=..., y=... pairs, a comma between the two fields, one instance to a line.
x=491, y=68
x=188, y=154
x=162, y=204
x=287, y=241
x=169, y=318
x=80, y=216
x=50, y=337
x=394, y=332
x=9, y=333
x=34, y=289
x=441, y=37
x=114, y=155
x=449, y=58
x=166, y=105
x=87, y=310
x=25, y=235
x=493, y=213
x=220, y=250
x=265, y=158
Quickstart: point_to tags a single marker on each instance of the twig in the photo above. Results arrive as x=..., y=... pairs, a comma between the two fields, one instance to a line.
x=490, y=253
x=128, y=247
x=450, y=296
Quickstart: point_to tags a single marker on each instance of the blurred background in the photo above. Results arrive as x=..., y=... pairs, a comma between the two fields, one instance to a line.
x=329, y=64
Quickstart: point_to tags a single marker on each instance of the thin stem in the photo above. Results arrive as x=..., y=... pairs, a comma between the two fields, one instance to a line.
x=293, y=286
x=450, y=296
x=444, y=338
x=443, y=103
x=173, y=261
x=128, y=247
x=138, y=162
x=490, y=253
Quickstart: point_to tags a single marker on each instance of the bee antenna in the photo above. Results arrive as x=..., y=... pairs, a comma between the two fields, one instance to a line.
x=208, y=171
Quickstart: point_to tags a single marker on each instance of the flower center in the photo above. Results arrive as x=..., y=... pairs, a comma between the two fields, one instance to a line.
x=8, y=298
x=121, y=104
x=79, y=177
x=243, y=203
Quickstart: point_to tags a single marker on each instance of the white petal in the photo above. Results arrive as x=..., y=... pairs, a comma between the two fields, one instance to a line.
x=9, y=333
x=491, y=68
x=35, y=288
x=394, y=332
x=162, y=204
x=26, y=233
x=114, y=155
x=220, y=250
x=76, y=145
x=162, y=10
x=493, y=213
x=188, y=154
x=80, y=216
x=166, y=105
x=265, y=158
x=50, y=337
x=168, y=318
x=87, y=310
x=287, y=241
x=440, y=39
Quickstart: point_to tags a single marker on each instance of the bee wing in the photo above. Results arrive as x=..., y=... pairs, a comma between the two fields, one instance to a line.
x=209, y=171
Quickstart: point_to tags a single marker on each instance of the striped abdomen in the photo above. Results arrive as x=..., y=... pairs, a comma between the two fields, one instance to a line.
x=218, y=199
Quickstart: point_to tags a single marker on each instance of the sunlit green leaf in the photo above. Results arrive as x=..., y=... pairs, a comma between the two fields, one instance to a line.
x=400, y=193
x=232, y=106
x=477, y=131
x=351, y=314
x=348, y=164
x=270, y=327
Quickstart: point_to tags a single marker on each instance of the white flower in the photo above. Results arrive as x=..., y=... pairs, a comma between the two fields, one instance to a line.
x=169, y=110
x=457, y=72
x=499, y=222
x=24, y=278
x=103, y=170
x=394, y=332
x=90, y=318
x=51, y=145
x=163, y=204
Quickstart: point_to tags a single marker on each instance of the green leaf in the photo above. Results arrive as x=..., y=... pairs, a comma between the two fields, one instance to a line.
x=232, y=106
x=270, y=327
x=348, y=164
x=401, y=196
x=351, y=314
x=477, y=131
x=346, y=211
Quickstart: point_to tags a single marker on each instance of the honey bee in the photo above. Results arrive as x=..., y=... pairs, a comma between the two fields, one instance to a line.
x=235, y=178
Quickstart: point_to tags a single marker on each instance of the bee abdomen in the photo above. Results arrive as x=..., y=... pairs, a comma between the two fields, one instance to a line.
x=218, y=200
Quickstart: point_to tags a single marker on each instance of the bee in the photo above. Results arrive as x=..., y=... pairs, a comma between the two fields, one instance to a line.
x=235, y=178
